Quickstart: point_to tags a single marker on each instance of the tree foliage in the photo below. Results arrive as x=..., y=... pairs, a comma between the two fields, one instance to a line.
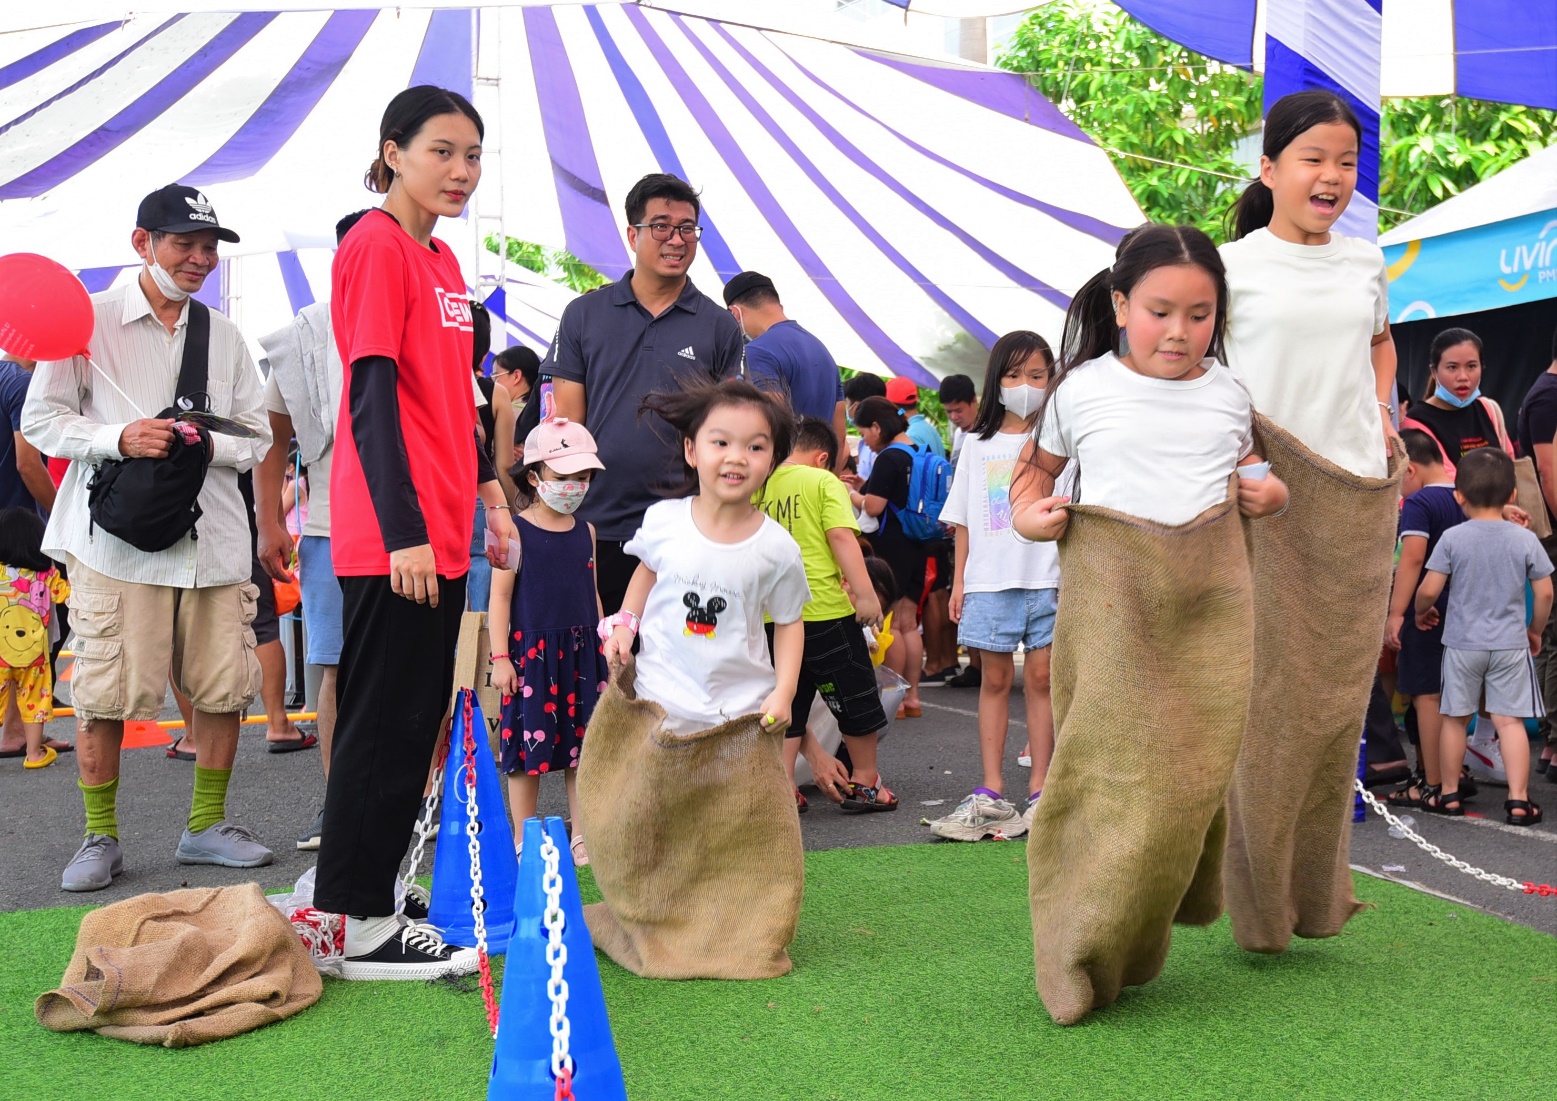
x=1140, y=96
x=556, y=264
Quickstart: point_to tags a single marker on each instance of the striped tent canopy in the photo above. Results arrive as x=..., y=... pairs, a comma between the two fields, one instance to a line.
x=910, y=211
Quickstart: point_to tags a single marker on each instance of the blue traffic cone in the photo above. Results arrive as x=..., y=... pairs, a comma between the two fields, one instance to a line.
x=450, y=909
x=521, y=1063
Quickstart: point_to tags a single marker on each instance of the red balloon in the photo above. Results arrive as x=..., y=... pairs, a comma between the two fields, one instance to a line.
x=45, y=311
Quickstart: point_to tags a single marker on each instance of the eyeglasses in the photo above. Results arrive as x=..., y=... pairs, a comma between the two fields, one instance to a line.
x=661, y=231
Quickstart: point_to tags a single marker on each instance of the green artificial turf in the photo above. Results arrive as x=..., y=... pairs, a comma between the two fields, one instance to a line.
x=913, y=979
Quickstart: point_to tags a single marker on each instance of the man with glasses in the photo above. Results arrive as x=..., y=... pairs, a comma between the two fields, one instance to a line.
x=652, y=330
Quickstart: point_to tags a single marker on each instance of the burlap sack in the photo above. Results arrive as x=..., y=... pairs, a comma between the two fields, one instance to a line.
x=1151, y=670
x=1321, y=581
x=183, y=968
x=693, y=840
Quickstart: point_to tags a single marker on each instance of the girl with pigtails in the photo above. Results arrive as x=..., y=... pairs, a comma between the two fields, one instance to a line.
x=1308, y=334
x=1154, y=638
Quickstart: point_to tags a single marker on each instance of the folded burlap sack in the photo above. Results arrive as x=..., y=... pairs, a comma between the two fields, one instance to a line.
x=1321, y=594
x=1151, y=670
x=182, y=968
x=693, y=840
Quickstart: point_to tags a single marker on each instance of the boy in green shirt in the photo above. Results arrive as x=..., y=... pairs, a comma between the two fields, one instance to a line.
x=813, y=505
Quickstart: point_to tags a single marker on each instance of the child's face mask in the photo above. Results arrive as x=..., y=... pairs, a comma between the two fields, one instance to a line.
x=563, y=497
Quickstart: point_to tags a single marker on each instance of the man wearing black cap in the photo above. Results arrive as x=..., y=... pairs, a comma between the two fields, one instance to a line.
x=781, y=353
x=138, y=613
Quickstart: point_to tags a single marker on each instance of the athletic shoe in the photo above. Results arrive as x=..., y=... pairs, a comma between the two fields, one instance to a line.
x=1025, y=760
x=308, y=840
x=977, y=817
x=970, y=677
x=417, y=903
x=226, y=843
x=940, y=674
x=416, y=952
x=95, y=864
x=1032, y=809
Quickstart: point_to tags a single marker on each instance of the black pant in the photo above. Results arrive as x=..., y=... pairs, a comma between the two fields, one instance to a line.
x=1379, y=726
x=393, y=687
x=614, y=571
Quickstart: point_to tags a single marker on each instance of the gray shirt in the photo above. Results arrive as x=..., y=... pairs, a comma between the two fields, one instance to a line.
x=1490, y=561
x=608, y=342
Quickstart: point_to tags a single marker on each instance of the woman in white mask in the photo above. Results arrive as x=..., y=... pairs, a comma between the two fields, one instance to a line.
x=1004, y=589
x=546, y=656
x=1455, y=412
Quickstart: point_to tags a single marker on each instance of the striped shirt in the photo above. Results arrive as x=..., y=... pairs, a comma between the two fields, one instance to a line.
x=72, y=413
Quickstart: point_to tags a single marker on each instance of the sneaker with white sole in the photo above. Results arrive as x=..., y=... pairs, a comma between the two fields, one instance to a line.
x=417, y=903
x=415, y=952
x=95, y=864
x=309, y=839
x=977, y=817
x=226, y=844
x=1031, y=809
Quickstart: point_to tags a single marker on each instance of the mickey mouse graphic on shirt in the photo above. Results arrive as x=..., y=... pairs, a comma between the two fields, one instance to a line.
x=702, y=618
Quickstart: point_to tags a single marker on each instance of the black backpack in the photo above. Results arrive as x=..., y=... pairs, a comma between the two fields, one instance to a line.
x=152, y=503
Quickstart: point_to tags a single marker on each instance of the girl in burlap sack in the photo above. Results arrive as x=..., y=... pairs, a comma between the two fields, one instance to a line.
x=694, y=836
x=1151, y=660
x=1308, y=333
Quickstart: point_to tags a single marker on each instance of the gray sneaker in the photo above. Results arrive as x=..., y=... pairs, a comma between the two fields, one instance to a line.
x=979, y=816
x=95, y=864
x=225, y=843
x=309, y=839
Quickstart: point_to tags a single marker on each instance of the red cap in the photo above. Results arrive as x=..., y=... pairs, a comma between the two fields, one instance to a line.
x=902, y=391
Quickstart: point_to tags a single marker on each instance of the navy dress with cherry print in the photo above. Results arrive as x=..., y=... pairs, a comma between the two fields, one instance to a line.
x=554, y=649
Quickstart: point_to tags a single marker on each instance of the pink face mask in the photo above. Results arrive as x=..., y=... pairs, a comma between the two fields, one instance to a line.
x=563, y=497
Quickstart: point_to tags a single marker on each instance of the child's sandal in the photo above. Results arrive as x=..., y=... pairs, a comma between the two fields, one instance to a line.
x=1402, y=797
x=1530, y=817
x=1451, y=805
x=861, y=799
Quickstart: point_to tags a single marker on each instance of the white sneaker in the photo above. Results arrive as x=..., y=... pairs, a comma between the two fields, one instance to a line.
x=1032, y=809
x=979, y=816
x=415, y=952
x=1485, y=756
x=1025, y=760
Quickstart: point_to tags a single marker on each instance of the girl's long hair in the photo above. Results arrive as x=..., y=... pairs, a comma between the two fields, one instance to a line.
x=687, y=409
x=1289, y=117
x=21, y=540
x=1011, y=350
x=1091, y=330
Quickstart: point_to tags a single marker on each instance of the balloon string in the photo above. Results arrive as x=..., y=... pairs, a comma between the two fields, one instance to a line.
x=115, y=385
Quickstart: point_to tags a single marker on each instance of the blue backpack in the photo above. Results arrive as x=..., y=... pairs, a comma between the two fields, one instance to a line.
x=929, y=483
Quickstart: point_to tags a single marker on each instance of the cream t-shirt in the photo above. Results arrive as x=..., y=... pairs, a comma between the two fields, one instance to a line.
x=1300, y=327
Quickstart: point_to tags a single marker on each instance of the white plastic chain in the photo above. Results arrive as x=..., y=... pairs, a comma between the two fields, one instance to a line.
x=556, y=956
x=472, y=830
x=1433, y=850
x=424, y=825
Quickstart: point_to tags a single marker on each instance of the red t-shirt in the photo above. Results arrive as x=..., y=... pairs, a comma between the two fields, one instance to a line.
x=391, y=297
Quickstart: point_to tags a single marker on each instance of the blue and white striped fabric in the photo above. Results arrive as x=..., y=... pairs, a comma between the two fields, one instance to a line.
x=910, y=211
x=1503, y=50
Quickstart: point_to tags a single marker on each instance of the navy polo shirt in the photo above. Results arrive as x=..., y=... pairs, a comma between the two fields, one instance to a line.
x=802, y=366
x=608, y=342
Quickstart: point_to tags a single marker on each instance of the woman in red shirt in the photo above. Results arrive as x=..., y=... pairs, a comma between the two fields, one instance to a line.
x=406, y=460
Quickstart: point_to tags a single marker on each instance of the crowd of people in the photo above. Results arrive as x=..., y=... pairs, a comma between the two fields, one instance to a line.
x=690, y=488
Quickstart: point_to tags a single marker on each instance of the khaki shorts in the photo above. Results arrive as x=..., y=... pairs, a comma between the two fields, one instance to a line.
x=130, y=637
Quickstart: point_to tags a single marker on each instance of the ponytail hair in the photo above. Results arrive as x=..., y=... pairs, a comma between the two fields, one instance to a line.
x=1011, y=350
x=404, y=118
x=1289, y=117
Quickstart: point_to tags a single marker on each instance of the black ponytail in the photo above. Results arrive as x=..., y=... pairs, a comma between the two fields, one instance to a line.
x=1289, y=117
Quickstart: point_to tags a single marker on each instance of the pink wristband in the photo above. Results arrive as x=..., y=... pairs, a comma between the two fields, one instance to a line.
x=623, y=618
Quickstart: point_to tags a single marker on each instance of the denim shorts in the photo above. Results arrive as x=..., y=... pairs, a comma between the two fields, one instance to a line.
x=997, y=622
x=321, y=600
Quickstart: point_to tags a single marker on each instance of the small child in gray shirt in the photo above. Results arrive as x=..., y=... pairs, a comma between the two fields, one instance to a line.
x=1487, y=644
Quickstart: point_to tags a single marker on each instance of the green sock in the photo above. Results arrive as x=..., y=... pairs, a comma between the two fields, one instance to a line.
x=209, y=805
x=100, y=802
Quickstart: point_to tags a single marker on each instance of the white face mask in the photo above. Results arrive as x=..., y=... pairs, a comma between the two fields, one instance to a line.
x=563, y=497
x=164, y=280
x=1022, y=399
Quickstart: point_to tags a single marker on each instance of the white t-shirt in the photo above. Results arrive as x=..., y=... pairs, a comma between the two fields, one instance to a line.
x=704, y=655
x=1300, y=326
x=980, y=500
x=1156, y=448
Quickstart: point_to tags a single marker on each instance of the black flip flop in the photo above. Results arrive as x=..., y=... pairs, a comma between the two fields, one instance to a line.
x=60, y=747
x=307, y=741
x=176, y=754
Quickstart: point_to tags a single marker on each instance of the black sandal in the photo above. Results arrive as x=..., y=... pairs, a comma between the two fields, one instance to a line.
x=1467, y=783
x=1401, y=796
x=176, y=753
x=1531, y=816
x=860, y=799
x=1439, y=803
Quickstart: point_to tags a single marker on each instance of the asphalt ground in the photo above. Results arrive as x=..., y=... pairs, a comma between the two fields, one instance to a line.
x=931, y=763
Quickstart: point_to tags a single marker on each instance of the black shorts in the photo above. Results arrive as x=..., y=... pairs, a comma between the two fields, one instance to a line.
x=836, y=664
x=939, y=555
x=267, y=627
